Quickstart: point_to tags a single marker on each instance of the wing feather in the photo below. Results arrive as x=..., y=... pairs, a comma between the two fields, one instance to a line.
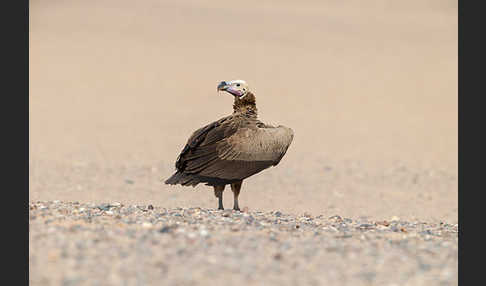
x=258, y=144
x=201, y=143
x=232, y=148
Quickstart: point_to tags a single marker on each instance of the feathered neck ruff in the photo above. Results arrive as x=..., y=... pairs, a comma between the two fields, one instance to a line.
x=246, y=105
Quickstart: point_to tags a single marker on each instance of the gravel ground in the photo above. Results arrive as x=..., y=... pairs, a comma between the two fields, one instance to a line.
x=75, y=243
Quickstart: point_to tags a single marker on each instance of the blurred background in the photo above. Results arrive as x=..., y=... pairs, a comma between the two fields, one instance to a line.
x=369, y=88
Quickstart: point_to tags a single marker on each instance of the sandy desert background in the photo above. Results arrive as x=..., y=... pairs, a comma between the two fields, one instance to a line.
x=369, y=88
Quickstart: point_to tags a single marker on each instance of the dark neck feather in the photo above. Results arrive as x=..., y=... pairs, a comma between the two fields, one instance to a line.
x=246, y=105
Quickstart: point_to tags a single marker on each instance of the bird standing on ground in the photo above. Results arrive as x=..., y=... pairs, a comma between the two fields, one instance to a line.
x=231, y=149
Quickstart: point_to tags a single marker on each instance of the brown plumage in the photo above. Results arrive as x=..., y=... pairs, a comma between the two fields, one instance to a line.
x=231, y=149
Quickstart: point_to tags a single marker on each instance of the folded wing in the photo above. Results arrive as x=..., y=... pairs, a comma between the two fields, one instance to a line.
x=231, y=150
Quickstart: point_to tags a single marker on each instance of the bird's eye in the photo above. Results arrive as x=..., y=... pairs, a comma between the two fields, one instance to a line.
x=237, y=84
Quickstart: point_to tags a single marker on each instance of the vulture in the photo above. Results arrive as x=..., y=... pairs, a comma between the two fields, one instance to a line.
x=232, y=148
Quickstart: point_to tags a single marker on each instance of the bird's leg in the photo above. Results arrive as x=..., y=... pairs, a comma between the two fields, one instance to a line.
x=235, y=187
x=218, y=192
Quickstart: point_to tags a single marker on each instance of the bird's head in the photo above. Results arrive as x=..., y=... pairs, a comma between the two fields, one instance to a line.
x=238, y=88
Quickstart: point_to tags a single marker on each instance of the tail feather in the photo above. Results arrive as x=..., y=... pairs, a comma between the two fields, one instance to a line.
x=183, y=179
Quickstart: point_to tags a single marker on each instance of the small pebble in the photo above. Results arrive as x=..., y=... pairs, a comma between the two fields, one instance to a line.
x=147, y=225
x=204, y=233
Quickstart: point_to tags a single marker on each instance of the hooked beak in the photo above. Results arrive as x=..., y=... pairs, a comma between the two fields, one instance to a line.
x=222, y=86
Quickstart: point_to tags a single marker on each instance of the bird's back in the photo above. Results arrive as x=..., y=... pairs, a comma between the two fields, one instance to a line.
x=230, y=149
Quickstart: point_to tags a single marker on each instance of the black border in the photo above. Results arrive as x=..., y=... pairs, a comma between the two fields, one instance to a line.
x=460, y=78
x=471, y=65
x=14, y=21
